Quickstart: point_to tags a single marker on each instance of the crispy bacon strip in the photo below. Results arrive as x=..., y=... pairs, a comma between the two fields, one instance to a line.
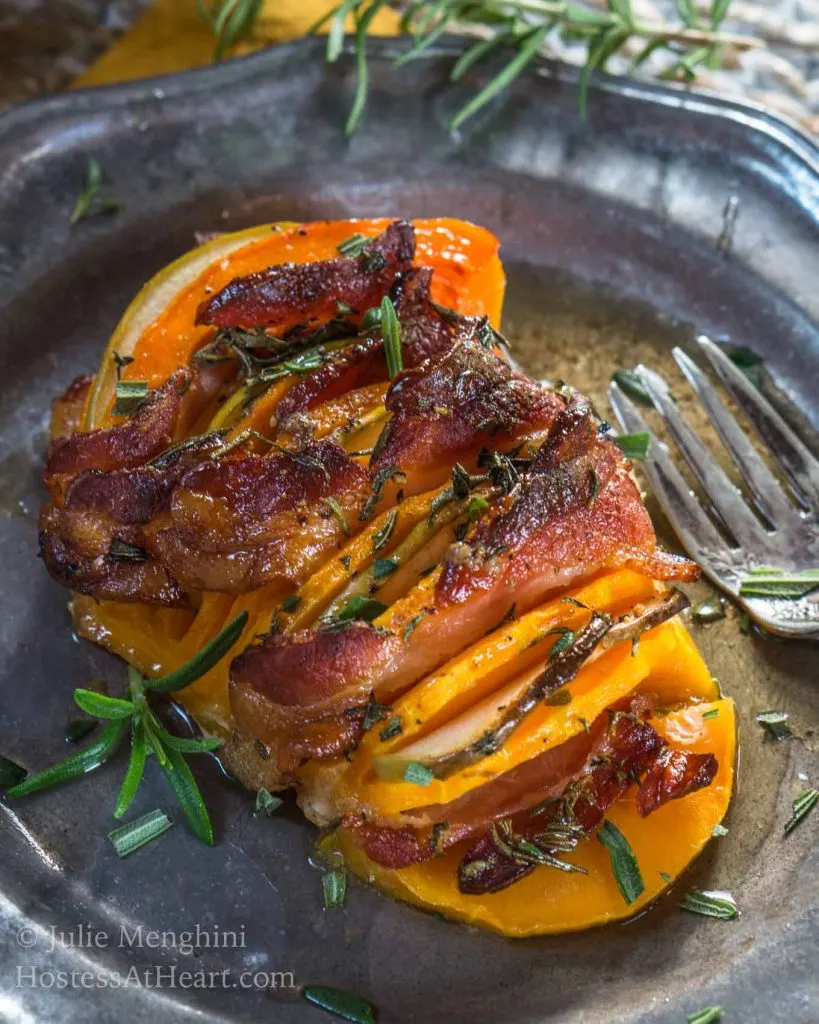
x=292, y=293
x=447, y=411
x=674, y=774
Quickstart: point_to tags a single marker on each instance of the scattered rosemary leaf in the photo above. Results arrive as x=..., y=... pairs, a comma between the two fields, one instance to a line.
x=393, y=728
x=78, y=728
x=371, y=319
x=802, y=806
x=338, y=512
x=375, y=713
x=383, y=567
x=381, y=537
x=713, y=713
x=786, y=586
x=666, y=877
x=120, y=551
x=708, y=1015
x=89, y=202
x=476, y=507
x=291, y=603
x=354, y=245
x=127, y=839
x=776, y=723
x=391, y=331
x=130, y=396
x=559, y=697
x=565, y=639
x=624, y=864
x=574, y=601
x=266, y=802
x=334, y=887
x=719, y=830
x=11, y=773
x=710, y=904
x=730, y=212
x=120, y=362
x=418, y=774
x=101, y=706
x=634, y=446
x=708, y=611
x=630, y=383
x=202, y=662
x=343, y=1004
x=361, y=608
x=409, y=629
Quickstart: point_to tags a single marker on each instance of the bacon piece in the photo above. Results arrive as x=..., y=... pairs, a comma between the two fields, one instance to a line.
x=67, y=410
x=148, y=432
x=424, y=333
x=304, y=693
x=292, y=293
x=447, y=411
x=674, y=774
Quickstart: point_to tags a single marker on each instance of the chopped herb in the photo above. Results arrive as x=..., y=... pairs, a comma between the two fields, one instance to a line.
x=574, y=601
x=559, y=697
x=343, y=1004
x=461, y=481
x=709, y=1015
x=624, y=864
x=346, y=561
x=802, y=806
x=353, y=246
x=291, y=603
x=371, y=319
x=411, y=625
x=89, y=202
x=383, y=567
x=710, y=904
x=391, y=332
x=718, y=831
x=666, y=877
x=747, y=361
x=122, y=552
x=266, y=802
x=381, y=536
x=120, y=362
x=501, y=470
x=334, y=887
x=713, y=713
x=630, y=383
x=393, y=728
x=565, y=639
x=202, y=662
x=131, y=837
x=360, y=608
x=11, y=773
x=594, y=485
x=708, y=611
x=78, y=728
x=778, y=584
x=634, y=446
x=418, y=774
x=730, y=212
x=375, y=713
x=373, y=261
x=338, y=512
x=776, y=723
x=476, y=507
x=130, y=397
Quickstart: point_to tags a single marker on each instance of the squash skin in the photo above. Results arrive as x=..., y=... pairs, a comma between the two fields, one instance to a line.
x=548, y=902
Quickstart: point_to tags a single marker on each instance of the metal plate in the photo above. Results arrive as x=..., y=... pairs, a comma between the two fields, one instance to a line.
x=608, y=229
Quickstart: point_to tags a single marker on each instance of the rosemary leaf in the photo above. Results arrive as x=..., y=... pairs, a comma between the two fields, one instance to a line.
x=776, y=724
x=779, y=584
x=234, y=20
x=708, y=1015
x=802, y=806
x=130, y=397
x=478, y=51
x=624, y=864
x=375, y=713
x=360, y=608
x=291, y=603
x=131, y=837
x=383, y=567
x=187, y=793
x=100, y=706
x=343, y=1004
x=84, y=761
x=353, y=246
x=362, y=74
x=634, y=446
x=202, y=662
x=381, y=536
x=630, y=383
x=565, y=639
x=391, y=332
x=136, y=767
x=338, y=512
x=89, y=202
x=393, y=728
x=418, y=774
x=334, y=887
x=718, y=831
x=187, y=744
x=710, y=904
x=266, y=802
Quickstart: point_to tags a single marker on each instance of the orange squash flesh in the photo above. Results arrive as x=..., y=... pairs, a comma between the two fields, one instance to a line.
x=548, y=901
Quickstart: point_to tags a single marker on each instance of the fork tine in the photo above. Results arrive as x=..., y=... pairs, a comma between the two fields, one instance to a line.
x=699, y=536
x=799, y=465
x=725, y=497
x=766, y=488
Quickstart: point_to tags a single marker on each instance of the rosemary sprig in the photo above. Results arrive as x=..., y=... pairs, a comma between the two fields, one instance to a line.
x=230, y=21
x=134, y=714
x=89, y=202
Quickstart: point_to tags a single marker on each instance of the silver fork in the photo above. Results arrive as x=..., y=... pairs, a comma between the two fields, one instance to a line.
x=744, y=548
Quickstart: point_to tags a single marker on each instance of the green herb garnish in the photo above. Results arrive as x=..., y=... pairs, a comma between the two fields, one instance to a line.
x=131, y=837
x=89, y=202
x=354, y=245
x=381, y=537
x=747, y=361
x=411, y=626
x=624, y=864
x=291, y=603
x=630, y=383
x=779, y=584
x=374, y=713
x=776, y=724
x=266, y=802
x=334, y=887
x=476, y=507
x=565, y=639
x=391, y=332
x=130, y=397
x=713, y=713
x=418, y=774
x=393, y=728
x=634, y=446
x=360, y=608
x=343, y=1004
x=802, y=806
x=383, y=567
x=230, y=21
x=338, y=512
x=710, y=904
x=718, y=831
x=709, y=1015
